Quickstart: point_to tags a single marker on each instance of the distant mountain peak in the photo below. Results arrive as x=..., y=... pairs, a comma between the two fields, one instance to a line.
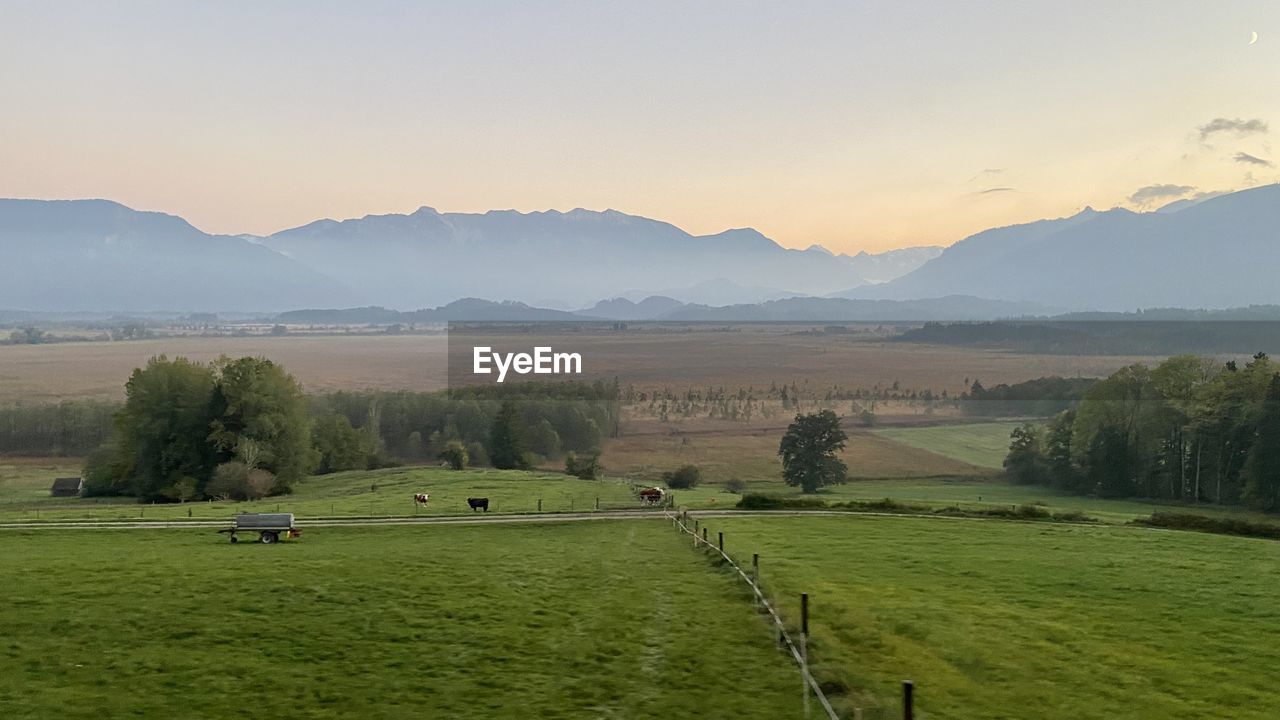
x=1216, y=253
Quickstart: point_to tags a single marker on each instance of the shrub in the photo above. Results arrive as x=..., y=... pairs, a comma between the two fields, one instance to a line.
x=477, y=454
x=182, y=490
x=683, y=477
x=588, y=468
x=1032, y=512
x=235, y=481
x=260, y=484
x=455, y=455
x=759, y=501
x=1202, y=523
x=884, y=505
x=228, y=482
x=737, y=486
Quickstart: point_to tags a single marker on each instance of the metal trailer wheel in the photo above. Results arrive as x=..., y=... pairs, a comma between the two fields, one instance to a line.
x=268, y=538
x=234, y=539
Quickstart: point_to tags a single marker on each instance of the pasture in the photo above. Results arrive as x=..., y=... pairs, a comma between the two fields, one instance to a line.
x=587, y=620
x=982, y=445
x=1013, y=620
x=24, y=494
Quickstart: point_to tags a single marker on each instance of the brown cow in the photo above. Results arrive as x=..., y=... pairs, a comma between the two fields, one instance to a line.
x=652, y=495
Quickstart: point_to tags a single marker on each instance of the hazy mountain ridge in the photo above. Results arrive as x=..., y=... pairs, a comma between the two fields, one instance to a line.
x=891, y=264
x=1218, y=252
x=800, y=309
x=428, y=257
x=466, y=309
x=98, y=254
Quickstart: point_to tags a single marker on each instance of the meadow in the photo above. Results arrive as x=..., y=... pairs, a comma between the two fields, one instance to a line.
x=587, y=620
x=982, y=445
x=24, y=495
x=1006, y=620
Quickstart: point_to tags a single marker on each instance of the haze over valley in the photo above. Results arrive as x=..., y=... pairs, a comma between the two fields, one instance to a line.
x=65, y=256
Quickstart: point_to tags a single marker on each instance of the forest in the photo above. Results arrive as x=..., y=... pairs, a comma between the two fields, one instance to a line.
x=1190, y=429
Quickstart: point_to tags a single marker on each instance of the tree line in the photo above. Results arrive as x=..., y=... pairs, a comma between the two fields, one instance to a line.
x=1191, y=429
x=72, y=427
x=243, y=428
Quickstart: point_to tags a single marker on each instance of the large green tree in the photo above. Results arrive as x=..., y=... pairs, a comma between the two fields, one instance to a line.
x=1060, y=467
x=507, y=448
x=808, y=451
x=261, y=418
x=1262, y=469
x=163, y=429
x=340, y=446
x=1025, y=462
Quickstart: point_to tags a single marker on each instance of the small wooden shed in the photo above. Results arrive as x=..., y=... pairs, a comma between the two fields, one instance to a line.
x=67, y=487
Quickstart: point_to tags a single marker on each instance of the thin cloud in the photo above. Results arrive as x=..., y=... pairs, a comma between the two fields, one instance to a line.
x=1244, y=157
x=1237, y=127
x=986, y=172
x=1153, y=193
x=990, y=191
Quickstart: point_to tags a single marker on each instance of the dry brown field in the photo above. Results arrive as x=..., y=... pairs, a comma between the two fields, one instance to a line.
x=744, y=356
x=757, y=355
x=33, y=374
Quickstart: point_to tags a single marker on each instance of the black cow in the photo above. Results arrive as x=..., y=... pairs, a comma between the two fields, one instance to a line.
x=478, y=504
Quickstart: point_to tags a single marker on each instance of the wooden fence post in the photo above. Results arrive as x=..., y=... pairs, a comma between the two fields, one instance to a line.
x=721, y=543
x=804, y=648
x=908, y=700
x=704, y=536
x=597, y=502
x=539, y=504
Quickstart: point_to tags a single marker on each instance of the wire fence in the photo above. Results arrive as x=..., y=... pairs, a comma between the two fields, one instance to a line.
x=797, y=649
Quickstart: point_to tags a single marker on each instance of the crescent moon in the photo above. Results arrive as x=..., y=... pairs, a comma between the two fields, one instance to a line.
x=1253, y=39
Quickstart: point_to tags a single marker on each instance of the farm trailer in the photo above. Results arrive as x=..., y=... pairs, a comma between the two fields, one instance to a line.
x=269, y=526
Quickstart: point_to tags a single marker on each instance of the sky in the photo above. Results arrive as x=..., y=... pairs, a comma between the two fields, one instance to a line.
x=855, y=125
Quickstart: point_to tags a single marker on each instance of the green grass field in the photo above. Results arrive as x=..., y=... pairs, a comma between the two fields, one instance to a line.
x=604, y=619
x=983, y=445
x=24, y=494
x=1014, y=620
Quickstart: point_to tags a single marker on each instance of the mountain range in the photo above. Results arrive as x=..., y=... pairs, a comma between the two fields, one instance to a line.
x=62, y=255
x=97, y=254
x=1220, y=252
x=65, y=255
x=564, y=259
x=664, y=309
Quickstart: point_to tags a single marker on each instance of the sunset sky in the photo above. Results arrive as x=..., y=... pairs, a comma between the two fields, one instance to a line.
x=865, y=125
